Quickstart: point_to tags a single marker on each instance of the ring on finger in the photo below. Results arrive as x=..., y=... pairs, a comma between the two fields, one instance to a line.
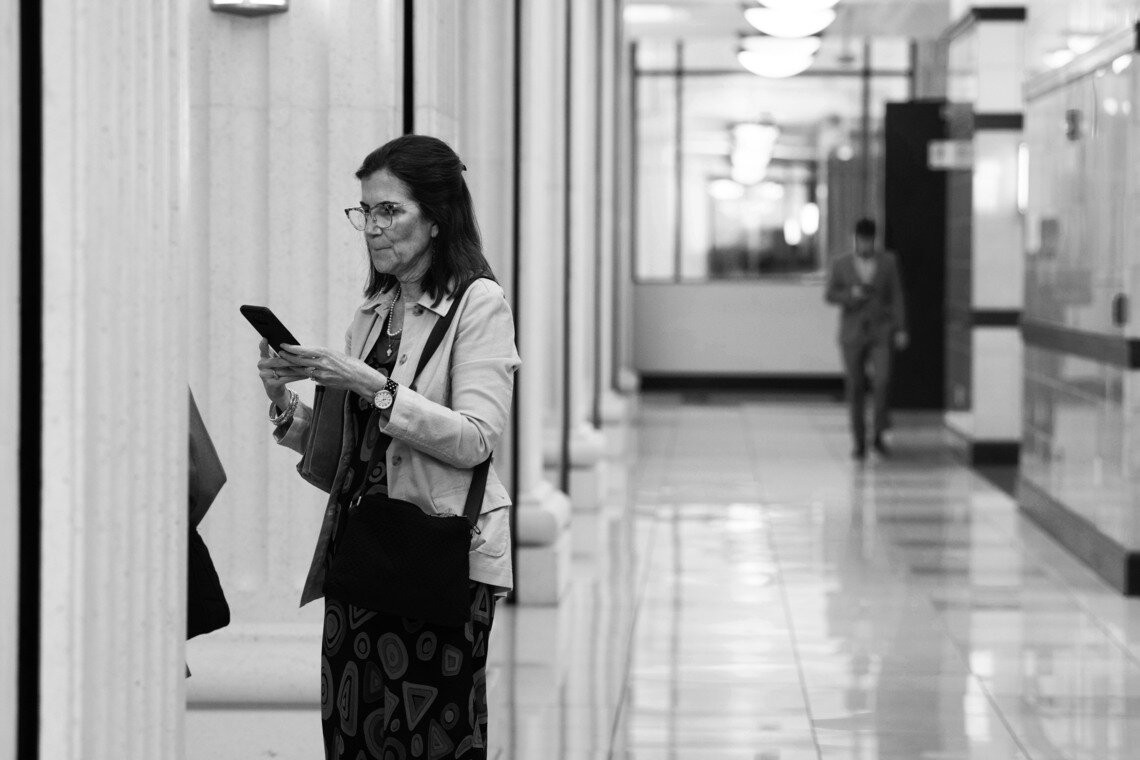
x=312, y=371
x=276, y=376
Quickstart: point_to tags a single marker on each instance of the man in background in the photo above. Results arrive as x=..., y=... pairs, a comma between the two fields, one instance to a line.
x=866, y=286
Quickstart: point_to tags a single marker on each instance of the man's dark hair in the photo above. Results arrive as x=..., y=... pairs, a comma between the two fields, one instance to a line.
x=865, y=228
x=434, y=175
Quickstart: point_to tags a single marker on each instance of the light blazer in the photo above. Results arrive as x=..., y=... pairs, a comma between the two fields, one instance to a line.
x=882, y=313
x=451, y=422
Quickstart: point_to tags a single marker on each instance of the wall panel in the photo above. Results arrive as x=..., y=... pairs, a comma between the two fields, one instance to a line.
x=735, y=329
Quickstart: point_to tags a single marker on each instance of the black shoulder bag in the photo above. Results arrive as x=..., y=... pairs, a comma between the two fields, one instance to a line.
x=395, y=558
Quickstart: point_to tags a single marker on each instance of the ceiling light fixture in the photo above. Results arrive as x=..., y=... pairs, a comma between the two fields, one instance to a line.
x=752, y=148
x=793, y=235
x=249, y=7
x=777, y=58
x=775, y=46
x=724, y=189
x=773, y=67
x=1055, y=59
x=772, y=192
x=1081, y=43
x=809, y=218
x=788, y=23
x=648, y=13
x=800, y=5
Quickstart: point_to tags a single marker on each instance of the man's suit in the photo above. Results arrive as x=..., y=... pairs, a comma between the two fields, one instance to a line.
x=867, y=328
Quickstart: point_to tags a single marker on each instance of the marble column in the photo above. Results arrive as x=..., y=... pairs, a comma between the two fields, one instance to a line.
x=586, y=443
x=115, y=365
x=440, y=32
x=9, y=372
x=485, y=140
x=626, y=378
x=543, y=570
x=612, y=407
x=283, y=109
x=464, y=94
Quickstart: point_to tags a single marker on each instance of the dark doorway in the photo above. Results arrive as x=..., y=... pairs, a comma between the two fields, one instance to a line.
x=915, y=229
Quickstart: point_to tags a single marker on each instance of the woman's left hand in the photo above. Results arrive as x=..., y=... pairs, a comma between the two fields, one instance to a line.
x=335, y=369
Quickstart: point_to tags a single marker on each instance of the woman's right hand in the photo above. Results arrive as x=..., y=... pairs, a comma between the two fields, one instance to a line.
x=276, y=374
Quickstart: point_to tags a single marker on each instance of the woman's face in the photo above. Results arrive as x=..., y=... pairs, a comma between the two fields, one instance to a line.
x=403, y=249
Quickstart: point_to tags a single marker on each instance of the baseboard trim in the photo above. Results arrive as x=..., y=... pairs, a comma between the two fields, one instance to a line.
x=984, y=453
x=1116, y=564
x=822, y=384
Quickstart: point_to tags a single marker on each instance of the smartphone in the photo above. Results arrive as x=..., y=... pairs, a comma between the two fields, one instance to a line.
x=270, y=327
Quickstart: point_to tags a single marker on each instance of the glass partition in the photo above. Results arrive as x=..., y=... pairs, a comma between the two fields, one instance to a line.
x=737, y=174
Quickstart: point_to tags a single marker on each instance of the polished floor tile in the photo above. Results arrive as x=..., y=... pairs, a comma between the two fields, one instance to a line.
x=759, y=596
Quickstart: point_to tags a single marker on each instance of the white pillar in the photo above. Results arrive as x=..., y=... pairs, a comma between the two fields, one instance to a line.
x=283, y=110
x=485, y=143
x=586, y=443
x=115, y=405
x=9, y=372
x=543, y=570
x=440, y=29
x=627, y=380
x=613, y=409
x=988, y=64
x=553, y=69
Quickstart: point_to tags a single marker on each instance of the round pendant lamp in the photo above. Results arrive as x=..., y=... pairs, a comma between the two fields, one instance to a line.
x=800, y=5
x=777, y=58
x=789, y=24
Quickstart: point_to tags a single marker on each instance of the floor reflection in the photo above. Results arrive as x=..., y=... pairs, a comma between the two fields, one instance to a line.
x=760, y=596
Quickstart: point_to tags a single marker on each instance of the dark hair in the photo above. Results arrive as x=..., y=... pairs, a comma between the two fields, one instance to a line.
x=434, y=175
x=865, y=228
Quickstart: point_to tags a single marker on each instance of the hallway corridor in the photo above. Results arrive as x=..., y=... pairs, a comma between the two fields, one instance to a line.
x=762, y=597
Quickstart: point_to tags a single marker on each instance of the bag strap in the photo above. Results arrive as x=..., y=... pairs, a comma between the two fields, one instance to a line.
x=474, y=504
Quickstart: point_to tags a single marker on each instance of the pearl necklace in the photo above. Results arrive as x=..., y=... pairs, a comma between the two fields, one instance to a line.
x=391, y=315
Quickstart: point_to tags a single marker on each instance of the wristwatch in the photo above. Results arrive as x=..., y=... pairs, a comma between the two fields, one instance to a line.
x=386, y=396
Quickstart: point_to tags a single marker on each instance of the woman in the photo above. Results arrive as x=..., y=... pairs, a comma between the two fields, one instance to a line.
x=394, y=687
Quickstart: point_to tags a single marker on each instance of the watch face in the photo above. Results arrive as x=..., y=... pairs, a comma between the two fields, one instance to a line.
x=383, y=399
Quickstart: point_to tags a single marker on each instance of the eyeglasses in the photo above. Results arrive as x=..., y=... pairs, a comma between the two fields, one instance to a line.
x=381, y=215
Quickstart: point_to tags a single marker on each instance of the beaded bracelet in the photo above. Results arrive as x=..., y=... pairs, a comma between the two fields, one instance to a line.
x=287, y=415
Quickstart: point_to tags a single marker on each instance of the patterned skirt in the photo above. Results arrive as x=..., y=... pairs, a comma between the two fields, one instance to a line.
x=399, y=689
